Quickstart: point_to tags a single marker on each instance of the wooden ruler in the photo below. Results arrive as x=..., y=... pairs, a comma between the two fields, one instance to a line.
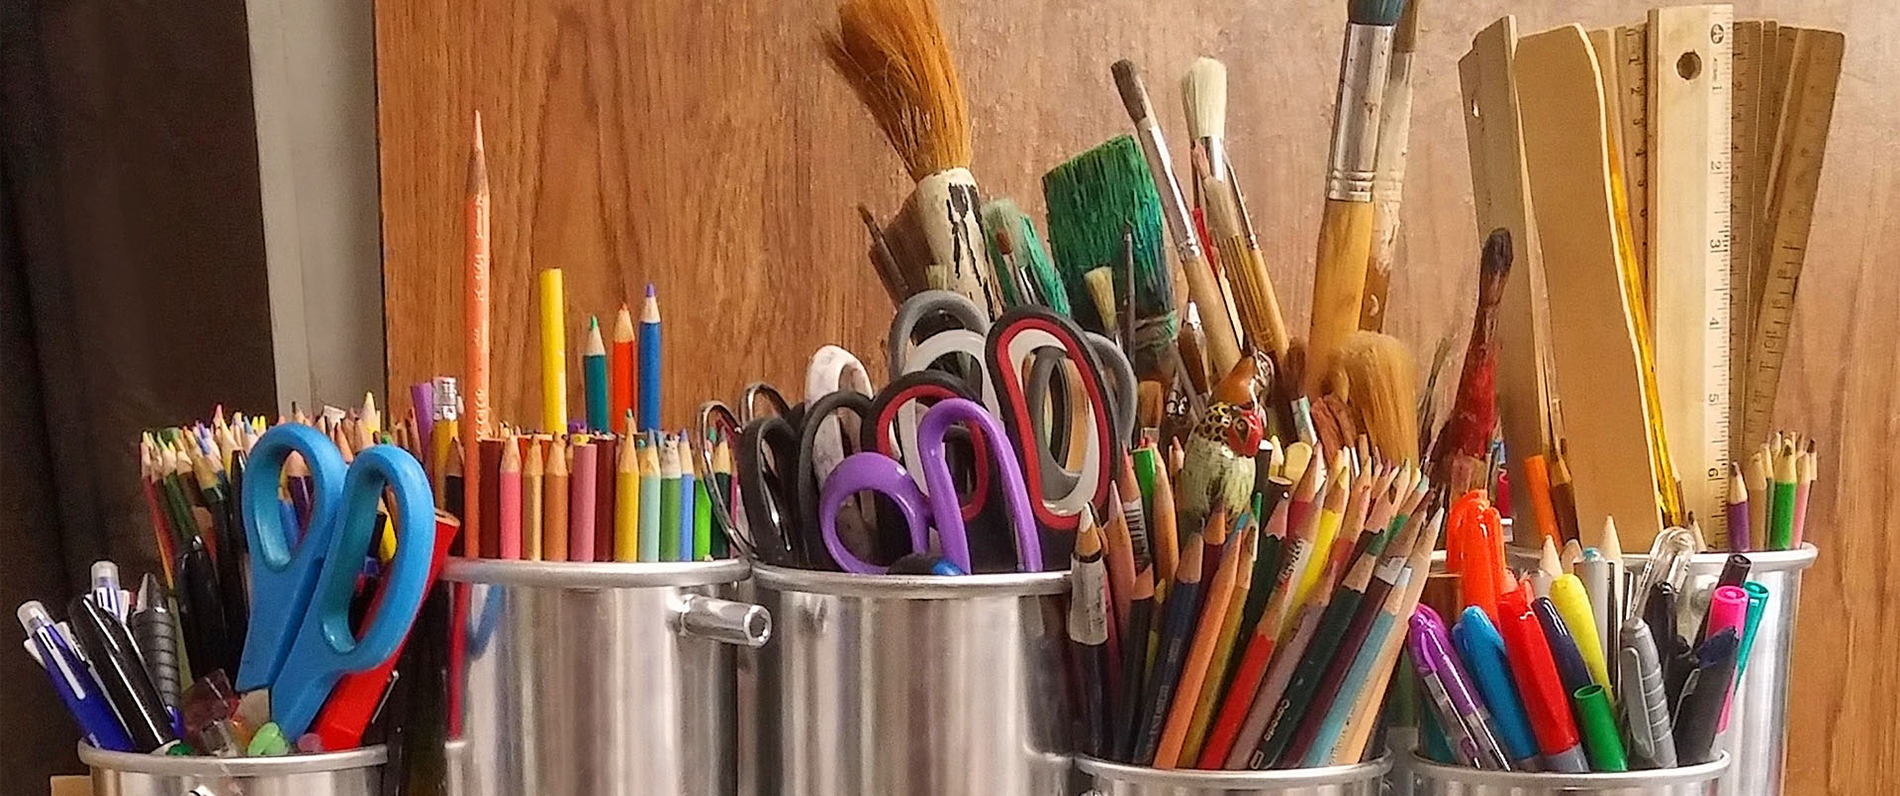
x=1689, y=193
x=1631, y=64
x=1501, y=196
x=1593, y=345
x=1807, y=110
x=1749, y=56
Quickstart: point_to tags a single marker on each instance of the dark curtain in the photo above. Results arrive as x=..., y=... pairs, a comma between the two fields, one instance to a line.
x=132, y=294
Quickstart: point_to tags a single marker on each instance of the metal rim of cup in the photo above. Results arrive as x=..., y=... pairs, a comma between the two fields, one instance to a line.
x=910, y=587
x=1761, y=562
x=229, y=767
x=1271, y=778
x=596, y=574
x=1645, y=778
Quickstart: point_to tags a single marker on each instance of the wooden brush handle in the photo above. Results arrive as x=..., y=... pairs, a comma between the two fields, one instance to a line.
x=1339, y=283
x=1223, y=345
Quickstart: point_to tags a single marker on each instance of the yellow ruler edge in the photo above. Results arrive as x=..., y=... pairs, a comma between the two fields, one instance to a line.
x=1593, y=347
x=1807, y=113
x=1631, y=63
x=1689, y=113
x=1501, y=193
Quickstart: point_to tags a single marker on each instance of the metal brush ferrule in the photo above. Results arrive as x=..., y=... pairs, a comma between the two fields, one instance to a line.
x=1187, y=242
x=1216, y=151
x=1362, y=77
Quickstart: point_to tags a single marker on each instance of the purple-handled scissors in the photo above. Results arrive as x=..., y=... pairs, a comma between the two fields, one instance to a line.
x=878, y=473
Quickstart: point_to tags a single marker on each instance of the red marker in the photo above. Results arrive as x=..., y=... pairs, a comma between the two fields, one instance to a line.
x=1543, y=691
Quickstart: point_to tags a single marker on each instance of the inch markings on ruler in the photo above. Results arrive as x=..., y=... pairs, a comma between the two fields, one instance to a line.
x=1689, y=241
x=1744, y=210
x=1814, y=73
x=1631, y=63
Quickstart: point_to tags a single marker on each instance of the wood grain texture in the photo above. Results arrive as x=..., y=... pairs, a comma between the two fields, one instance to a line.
x=704, y=147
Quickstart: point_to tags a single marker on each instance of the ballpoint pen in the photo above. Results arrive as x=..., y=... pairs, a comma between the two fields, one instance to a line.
x=1459, y=711
x=1481, y=647
x=1671, y=649
x=1645, y=699
x=105, y=589
x=1545, y=698
x=1700, y=710
x=1668, y=562
x=115, y=662
x=71, y=680
x=155, y=632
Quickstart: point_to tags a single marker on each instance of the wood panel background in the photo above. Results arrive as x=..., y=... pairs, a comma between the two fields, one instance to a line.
x=705, y=147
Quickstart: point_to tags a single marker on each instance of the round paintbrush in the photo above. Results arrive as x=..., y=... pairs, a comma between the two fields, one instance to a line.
x=896, y=57
x=1204, y=100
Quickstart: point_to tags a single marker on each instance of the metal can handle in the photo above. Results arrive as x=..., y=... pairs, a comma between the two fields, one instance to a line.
x=724, y=621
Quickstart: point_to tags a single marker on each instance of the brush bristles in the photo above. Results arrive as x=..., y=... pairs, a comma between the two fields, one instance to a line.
x=1012, y=232
x=1375, y=374
x=1375, y=12
x=1091, y=198
x=1204, y=97
x=895, y=56
x=1134, y=94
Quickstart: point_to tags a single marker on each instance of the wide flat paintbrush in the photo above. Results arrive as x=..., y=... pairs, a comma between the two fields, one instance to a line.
x=1093, y=199
x=895, y=56
x=1222, y=340
x=1345, y=233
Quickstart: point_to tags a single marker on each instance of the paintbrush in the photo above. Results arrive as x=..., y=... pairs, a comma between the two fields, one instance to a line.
x=1388, y=181
x=1024, y=271
x=895, y=56
x=1345, y=233
x=1204, y=102
x=1093, y=198
x=1223, y=342
x=1375, y=375
x=1459, y=452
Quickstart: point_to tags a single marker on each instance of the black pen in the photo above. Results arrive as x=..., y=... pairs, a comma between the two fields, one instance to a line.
x=1659, y=612
x=155, y=631
x=115, y=662
x=1699, y=714
x=201, y=613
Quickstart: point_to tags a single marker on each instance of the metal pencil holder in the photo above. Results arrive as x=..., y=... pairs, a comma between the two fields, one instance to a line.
x=923, y=686
x=1434, y=779
x=357, y=772
x=602, y=679
x=1757, y=735
x=1116, y=779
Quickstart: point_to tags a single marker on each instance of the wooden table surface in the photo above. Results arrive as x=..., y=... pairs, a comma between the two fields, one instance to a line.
x=704, y=147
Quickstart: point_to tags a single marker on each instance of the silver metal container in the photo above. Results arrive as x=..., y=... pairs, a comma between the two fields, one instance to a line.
x=1757, y=736
x=921, y=686
x=1434, y=779
x=1116, y=779
x=602, y=679
x=357, y=772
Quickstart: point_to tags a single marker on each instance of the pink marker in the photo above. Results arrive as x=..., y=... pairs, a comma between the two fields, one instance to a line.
x=1728, y=608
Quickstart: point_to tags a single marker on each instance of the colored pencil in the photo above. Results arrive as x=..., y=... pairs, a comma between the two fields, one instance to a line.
x=1088, y=632
x=649, y=500
x=668, y=520
x=620, y=366
x=594, y=378
x=1201, y=676
x=554, y=503
x=532, y=500
x=477, y=298
x=1177, y=630
x=553, y=352
x=584, y=481
x=649, y=362
x=627, y=502
x=688, y=485
x=509, y=501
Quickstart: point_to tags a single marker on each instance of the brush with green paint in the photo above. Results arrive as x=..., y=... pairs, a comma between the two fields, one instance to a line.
x=1093, y=198
x=1023, y=269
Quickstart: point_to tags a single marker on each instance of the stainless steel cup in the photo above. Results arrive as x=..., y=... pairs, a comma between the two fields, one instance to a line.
x=921, y=686
x=1434, y=779
x=357, y=772
x=602, y=679
x=1757, y=735
x=1116, y=779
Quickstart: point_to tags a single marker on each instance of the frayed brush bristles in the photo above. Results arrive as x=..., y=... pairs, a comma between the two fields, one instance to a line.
x=1375, y=374
x=895, y=56
x=1090, y=197
x=1006, y=223
x=1204, y=97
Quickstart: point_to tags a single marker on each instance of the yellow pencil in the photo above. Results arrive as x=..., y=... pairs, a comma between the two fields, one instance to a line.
x=627, y=502
x=553, y=353
x=1331, y=514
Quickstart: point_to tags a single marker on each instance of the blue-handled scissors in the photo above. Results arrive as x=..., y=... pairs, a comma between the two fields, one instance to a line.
x=300, y=642
x=879, y=473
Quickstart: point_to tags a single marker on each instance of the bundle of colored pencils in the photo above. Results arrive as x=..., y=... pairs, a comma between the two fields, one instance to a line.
x=1768, y=498
x=1551, y=672
x=1264, y=638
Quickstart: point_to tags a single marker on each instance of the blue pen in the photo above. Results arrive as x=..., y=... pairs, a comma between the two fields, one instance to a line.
x=105, y=589
x=1481, y=648
x=72, y=681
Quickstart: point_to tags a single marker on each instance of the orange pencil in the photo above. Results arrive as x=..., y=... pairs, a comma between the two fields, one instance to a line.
x=1201, y=654
x=475, y=333
x=1121, y=559
x=554, y=521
